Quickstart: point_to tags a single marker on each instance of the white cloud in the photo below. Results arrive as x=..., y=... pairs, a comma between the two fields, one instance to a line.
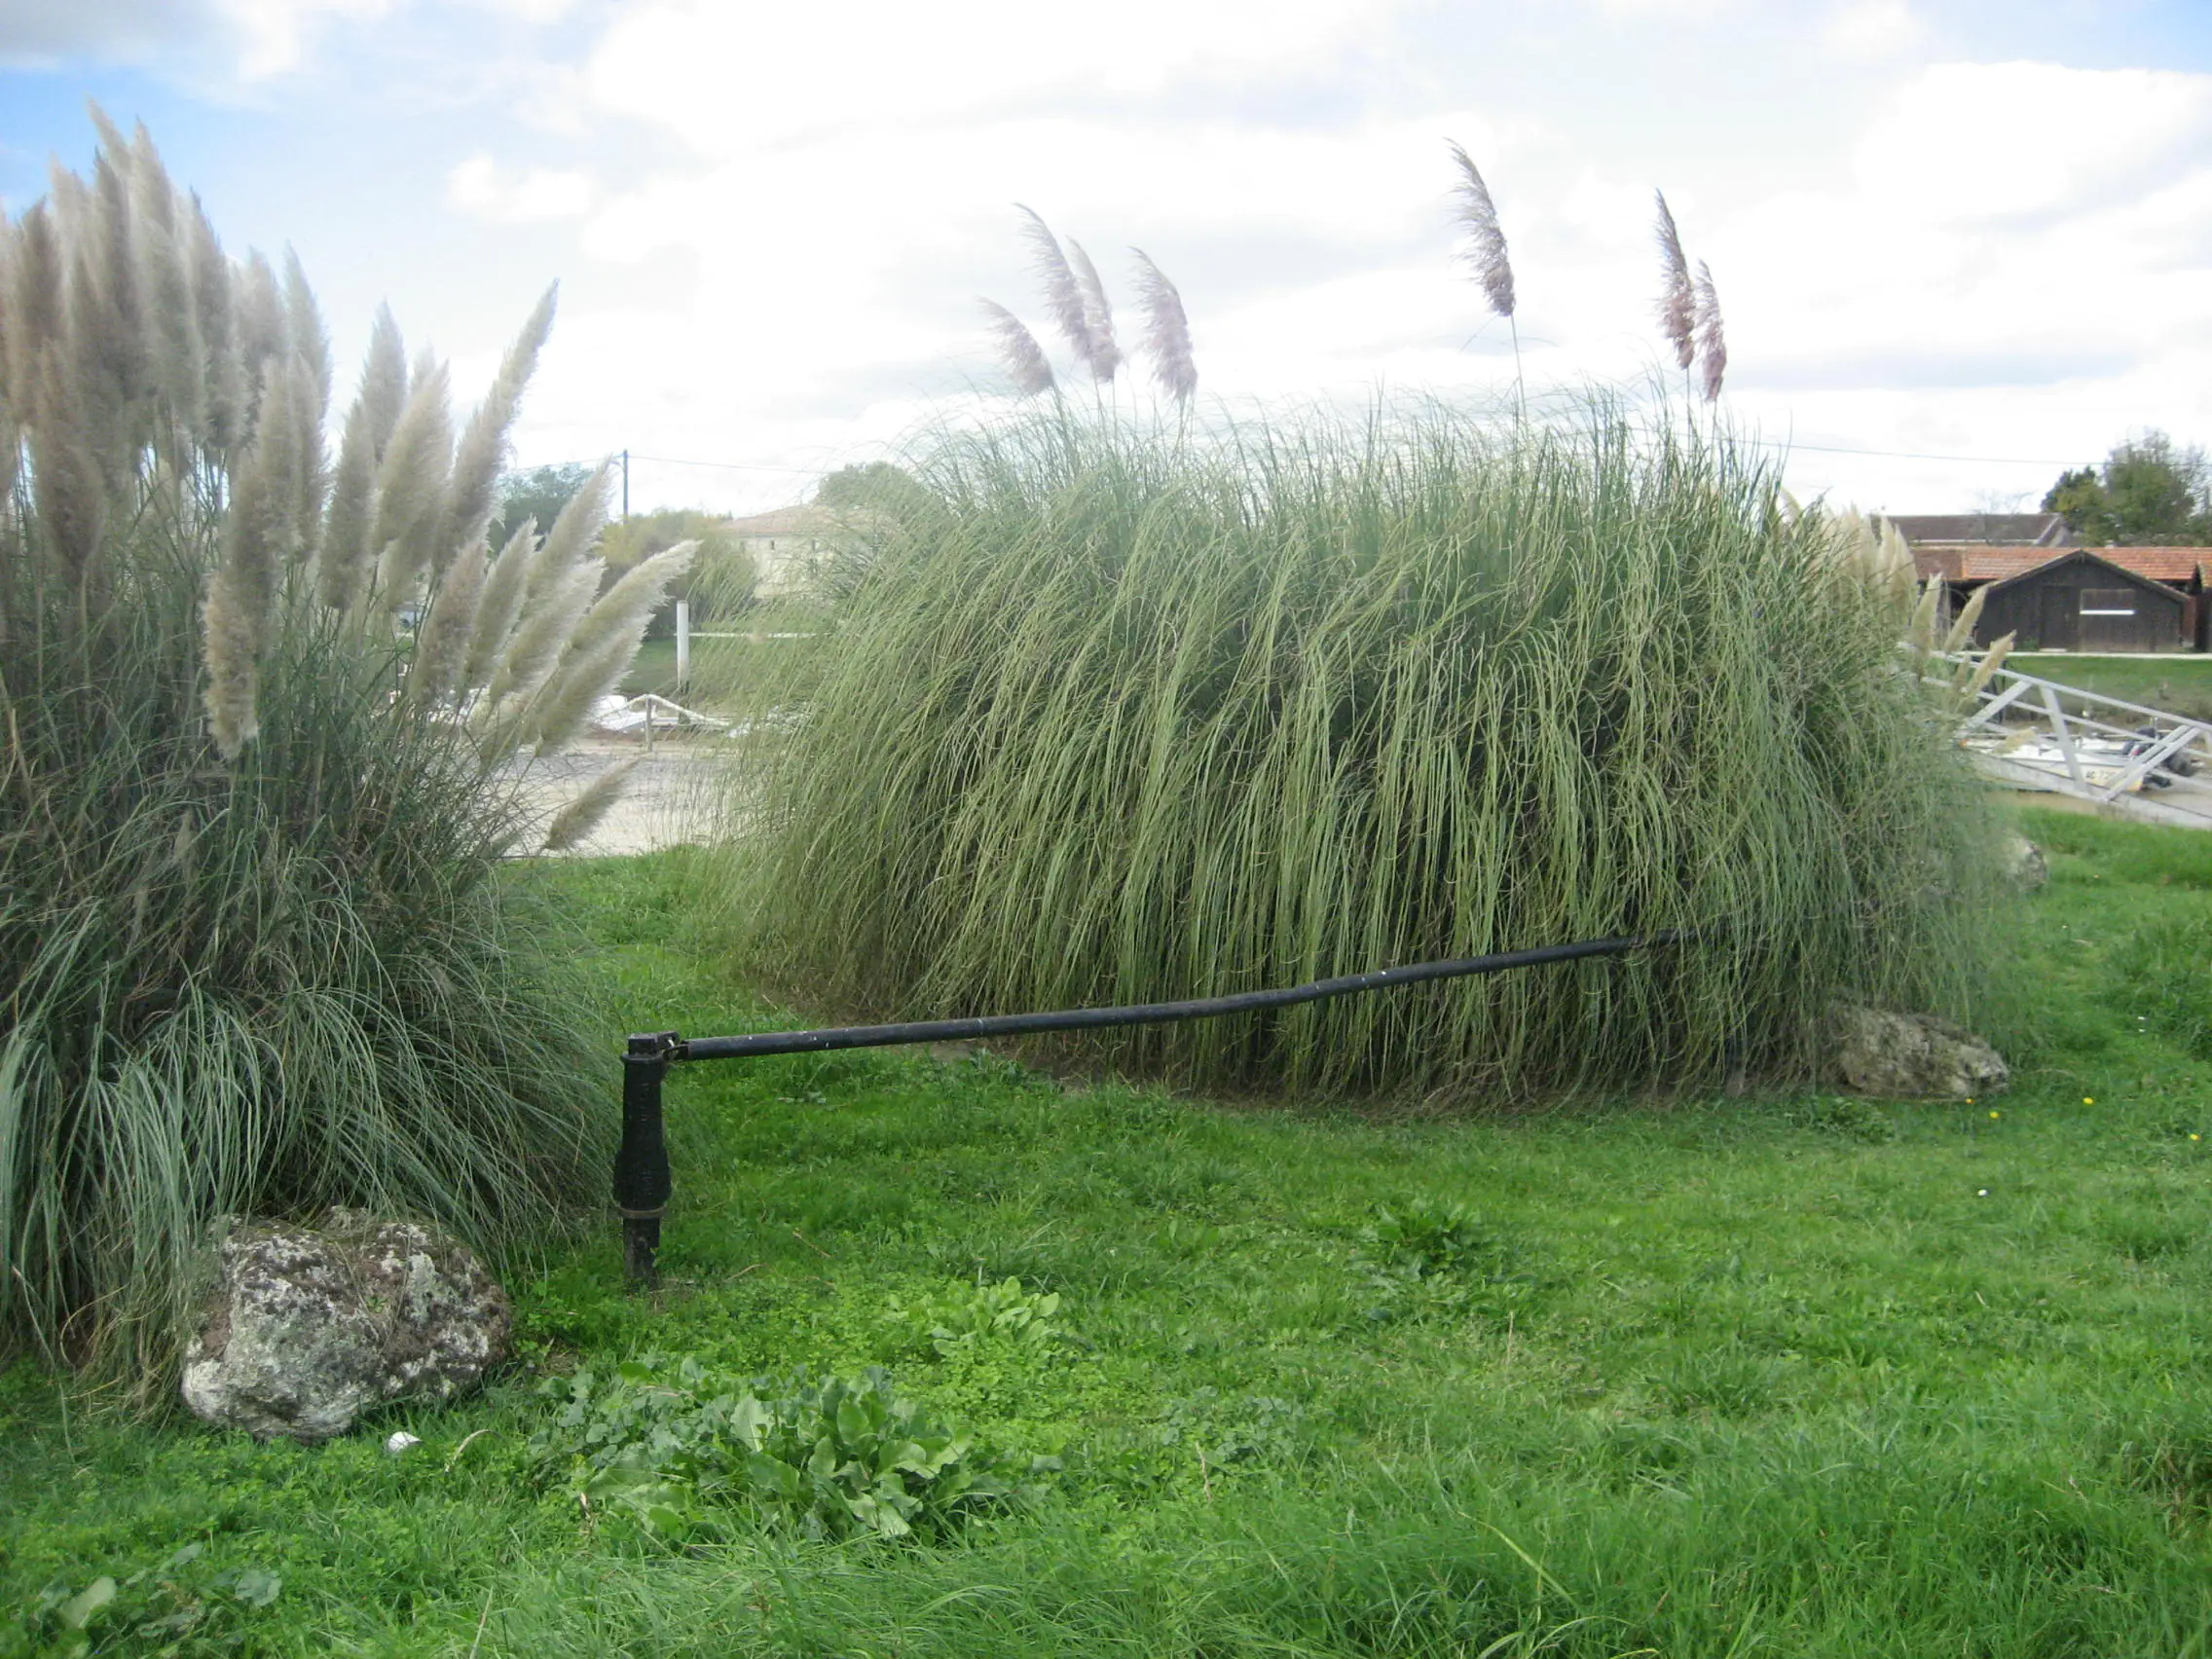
x=2006, y=259
x=480, y=186
x=732, y=78
x=272, y=33
x=1874, y=28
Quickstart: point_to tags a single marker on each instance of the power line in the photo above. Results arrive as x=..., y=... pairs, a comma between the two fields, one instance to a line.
x=726, y=465
x=1914, y=455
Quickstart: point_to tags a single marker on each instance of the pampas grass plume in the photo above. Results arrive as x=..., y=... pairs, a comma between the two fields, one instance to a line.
x=342, y=570
x=1101, y=352
x=533, y=652
x=1677, y=301
x=305, y=336
x=1018, y=351
x=581, y=815
x=441, y=648
x=1961, y=635
x=260, y=330
x=383, y=382
x=411, y=487
x=483, y=440
x=1477, y=215
x=257, y=540
x=1166, y=330
x=575, y=529
x=214, y=308
x=1063, y=294
x=1712, y=343
x=497, y=604
x=602, y=644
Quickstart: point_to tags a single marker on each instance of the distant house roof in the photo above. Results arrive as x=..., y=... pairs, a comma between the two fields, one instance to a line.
x=1986, y=530
x=2176, y=566
x=800, y=520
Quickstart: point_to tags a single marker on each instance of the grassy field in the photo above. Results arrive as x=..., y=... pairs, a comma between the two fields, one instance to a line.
x=2182, y=686
x=1783, y=1375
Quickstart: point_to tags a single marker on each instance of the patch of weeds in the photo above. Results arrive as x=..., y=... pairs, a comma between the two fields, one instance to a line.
x=1422, y=1257
x=1844, y=1117
x=179, y=1607
x=675, y=1449
x=1204, y=1436
x=968, y=1317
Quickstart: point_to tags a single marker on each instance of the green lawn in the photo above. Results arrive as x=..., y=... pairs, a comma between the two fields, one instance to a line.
x=1787, y=1375
x=2181, y=686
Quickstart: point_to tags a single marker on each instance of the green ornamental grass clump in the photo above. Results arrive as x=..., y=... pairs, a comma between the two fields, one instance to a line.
x=1116, y=717
x=263, y=711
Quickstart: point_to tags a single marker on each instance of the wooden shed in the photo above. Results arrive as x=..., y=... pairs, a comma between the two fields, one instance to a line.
x=2079, y=602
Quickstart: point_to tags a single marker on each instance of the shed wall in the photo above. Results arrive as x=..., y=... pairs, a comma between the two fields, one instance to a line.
x=2080, y=607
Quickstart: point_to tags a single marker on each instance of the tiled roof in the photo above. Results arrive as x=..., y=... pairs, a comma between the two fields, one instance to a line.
x=1986, y=530
x=2173, y=565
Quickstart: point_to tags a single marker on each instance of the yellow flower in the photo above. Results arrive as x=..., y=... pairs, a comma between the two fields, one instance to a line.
x=1996, y=1115
x=2088, y=1100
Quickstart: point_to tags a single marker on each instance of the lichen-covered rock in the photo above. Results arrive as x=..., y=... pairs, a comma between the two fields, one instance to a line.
x=2025, y=864
x=1912, y=1056
x=308, y=1327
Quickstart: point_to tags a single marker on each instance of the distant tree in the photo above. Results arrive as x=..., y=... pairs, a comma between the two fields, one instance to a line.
x=2149, y=493
x=720, y=581
x=878, y=485
x=538, y=493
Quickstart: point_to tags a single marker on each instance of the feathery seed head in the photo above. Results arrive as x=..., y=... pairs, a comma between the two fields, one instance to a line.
x=498, y=605
x=260, y=330
x=484, y=441
x=533, y=653
x=1023, y=358
x=383, y=382
x=581, y=815
x=602, y=644
x=342, y=569
x=214, y=311
x=441, y=644
x=1063, y=294
x=575, y=529
x=305, y=336
x=1100, y=352
x=1166, y=330
x=1477, y=215
x=411, y=489
x=1677, y=301
x=260, y=537
x=1712, y=343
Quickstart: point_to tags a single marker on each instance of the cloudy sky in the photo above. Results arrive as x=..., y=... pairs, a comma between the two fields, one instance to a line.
x=1958, y=242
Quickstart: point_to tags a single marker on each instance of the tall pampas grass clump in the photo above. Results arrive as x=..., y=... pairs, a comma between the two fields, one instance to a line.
x=1113, y=720
x=262, y=715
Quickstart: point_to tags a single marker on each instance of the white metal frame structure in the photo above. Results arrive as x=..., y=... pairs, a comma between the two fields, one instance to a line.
x=2038, y=734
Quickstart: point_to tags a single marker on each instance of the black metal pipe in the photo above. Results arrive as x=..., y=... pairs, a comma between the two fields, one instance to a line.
x=641, y=1167
x=1144, y=1013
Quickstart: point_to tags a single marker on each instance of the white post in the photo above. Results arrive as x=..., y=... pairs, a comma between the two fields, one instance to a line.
x=682, y=646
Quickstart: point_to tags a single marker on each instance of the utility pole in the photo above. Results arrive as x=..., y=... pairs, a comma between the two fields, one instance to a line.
x=625, y=486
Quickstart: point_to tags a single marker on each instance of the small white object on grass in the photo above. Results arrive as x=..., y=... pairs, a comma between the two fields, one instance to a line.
x=401, y=1442
x=1982, y=1193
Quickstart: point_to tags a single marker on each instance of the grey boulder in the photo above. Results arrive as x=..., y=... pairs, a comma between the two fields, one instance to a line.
x=309, y=1327
x=2024, y=864
x=1912, y=1056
